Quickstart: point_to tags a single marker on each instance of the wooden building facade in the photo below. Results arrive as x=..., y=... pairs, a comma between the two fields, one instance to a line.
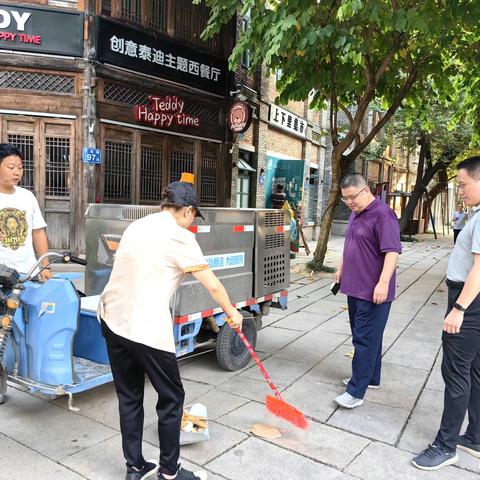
x=74, y=74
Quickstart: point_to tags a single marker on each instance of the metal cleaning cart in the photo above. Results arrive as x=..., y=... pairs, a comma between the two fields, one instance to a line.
x=247, y=248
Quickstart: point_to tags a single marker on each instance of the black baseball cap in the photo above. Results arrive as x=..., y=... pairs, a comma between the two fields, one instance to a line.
x=183, y=193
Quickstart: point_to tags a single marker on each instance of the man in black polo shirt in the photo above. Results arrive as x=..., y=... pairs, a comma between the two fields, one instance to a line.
x=461, y=336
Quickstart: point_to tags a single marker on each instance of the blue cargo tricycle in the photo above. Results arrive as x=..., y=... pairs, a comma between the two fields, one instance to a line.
x=47, y=343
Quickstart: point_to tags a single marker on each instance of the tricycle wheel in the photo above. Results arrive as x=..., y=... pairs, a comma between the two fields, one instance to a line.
x=231, y=352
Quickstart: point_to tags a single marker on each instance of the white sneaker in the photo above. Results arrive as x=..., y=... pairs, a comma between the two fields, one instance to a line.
x=347, y=401
x=371, y=387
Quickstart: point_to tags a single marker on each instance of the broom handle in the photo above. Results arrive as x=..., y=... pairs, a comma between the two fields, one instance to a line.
x=259, y=363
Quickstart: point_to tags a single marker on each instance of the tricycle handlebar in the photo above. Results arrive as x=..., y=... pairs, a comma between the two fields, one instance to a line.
x=65, y=257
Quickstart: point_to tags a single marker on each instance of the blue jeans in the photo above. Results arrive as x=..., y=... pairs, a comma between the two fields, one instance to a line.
x=367, y=321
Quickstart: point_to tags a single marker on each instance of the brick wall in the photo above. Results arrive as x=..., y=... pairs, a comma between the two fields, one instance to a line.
x=314, y=154
x=248, y=135
x=282, y=143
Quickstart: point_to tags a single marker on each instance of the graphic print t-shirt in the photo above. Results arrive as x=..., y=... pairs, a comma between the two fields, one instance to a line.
x=19, y=214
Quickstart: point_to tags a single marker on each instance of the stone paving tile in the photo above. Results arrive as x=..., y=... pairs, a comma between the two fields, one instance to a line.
x=46, y=428
x=313, y=398
x=224, y=439
x=244, y=417
x=423, y=425
x=412, y=353
x=332, y=369
x=280, y=370
x=241, y=463
x=322, y=443
x=312, y=347
x=301, y=321
x=248, y=388
x=400, y=386
x=435, y=380
x=104, y=461
x=372, y=420
x=381, y=462
x=326, y=308
x=206, y=370
x=296, y=304
x=20, y=462
x=219, y=402
x=338, y=324
x=272, y=339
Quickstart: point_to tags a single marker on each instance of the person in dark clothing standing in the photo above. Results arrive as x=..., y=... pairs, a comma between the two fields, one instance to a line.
x=461, y=336
x=367, y=275
x=278, y=197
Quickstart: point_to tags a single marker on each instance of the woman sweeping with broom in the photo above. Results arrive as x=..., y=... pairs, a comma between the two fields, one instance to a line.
x=153, y=256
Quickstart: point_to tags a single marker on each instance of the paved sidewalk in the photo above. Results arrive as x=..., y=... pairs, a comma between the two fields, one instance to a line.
x=304, y=349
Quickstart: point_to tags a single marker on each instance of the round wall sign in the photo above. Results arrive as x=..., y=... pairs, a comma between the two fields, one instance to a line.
x=239, y=117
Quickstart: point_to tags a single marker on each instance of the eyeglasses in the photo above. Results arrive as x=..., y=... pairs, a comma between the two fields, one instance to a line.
x=352, y=198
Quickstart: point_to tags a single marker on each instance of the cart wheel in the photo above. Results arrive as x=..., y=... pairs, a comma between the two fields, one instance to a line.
x=231, y=352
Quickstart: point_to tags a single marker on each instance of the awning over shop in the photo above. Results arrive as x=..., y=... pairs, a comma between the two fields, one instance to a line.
x=243, y=165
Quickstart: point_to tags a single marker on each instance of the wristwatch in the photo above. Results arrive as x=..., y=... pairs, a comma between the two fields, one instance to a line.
x=457, y=306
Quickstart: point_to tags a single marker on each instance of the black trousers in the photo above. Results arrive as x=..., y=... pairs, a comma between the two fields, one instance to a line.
x=130, y=361
x=461, y=374
x=455, y=235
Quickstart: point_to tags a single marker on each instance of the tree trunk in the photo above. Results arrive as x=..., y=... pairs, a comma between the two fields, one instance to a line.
x=333, y=198
x=417, y=193
x=440, y=186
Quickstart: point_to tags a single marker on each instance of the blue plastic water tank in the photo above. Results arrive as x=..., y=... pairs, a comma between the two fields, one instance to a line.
x=52, y=320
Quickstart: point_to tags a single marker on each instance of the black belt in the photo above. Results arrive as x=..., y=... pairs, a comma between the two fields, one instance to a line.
x=452, y=284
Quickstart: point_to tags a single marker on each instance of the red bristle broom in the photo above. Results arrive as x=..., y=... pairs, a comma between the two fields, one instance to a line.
x=275, y=405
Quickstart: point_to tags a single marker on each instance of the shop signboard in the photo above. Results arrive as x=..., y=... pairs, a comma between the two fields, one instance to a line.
x=288, y=173
x=41, y=30
x=165, y=112
x=287, y=121
x=131, y=48
x=239, y=117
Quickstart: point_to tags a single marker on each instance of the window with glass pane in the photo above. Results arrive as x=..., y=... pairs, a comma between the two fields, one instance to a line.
x=157, y=15
x=180, y=162
x=57, y=166
x=151, y=174
x=25, y=144
x=208, y=178
x=131, y=9
x=118, y=172
x=243, y=191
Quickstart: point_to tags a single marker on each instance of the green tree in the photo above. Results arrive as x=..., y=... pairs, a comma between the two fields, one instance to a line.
x=440, y=139
x=352, y=53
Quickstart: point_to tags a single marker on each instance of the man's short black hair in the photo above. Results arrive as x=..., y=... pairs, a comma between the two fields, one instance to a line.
x=7, y=150
x=471, y=165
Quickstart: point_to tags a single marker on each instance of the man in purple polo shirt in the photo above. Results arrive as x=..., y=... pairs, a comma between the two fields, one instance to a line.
x=367, y=276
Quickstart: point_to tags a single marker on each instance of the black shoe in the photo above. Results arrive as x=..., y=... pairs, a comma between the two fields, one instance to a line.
x=434, y=457
x=183, y=474
x=465, y=444
x=150, y=469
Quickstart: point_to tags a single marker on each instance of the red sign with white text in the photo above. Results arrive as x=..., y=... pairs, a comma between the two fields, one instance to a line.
x=165, y=112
